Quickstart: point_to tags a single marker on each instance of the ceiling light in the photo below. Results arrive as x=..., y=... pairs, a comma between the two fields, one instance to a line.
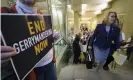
x=97, y=12
x=82, y=12
x=84, y=6
x=103, y=6
x=69, y=6
x=53, y=6
x=109, y=0
x=85, y=19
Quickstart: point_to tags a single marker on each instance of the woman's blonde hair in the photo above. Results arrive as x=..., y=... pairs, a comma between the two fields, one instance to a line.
x=105, y=21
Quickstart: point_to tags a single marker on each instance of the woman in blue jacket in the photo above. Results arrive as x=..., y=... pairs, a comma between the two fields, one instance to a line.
x=102, y=38
x=113, y=46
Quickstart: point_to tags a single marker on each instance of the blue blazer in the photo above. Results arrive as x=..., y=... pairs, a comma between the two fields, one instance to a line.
x=100, y=38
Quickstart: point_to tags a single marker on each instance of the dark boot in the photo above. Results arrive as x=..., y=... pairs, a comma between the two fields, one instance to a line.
x=106, y=68
x=109, y=60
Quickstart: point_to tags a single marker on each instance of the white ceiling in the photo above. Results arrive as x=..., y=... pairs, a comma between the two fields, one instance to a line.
x=42, y=4
x=76, y=5
x=91, y=4
x=91, y=7
x=86, y=1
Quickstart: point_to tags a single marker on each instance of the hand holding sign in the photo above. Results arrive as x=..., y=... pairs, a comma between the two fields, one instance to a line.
x=6, y=53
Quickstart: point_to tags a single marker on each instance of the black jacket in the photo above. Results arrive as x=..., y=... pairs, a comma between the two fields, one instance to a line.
x=76, y=46
x=100, y=38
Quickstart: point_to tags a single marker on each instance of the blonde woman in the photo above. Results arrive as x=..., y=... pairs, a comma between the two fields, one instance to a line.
x=102, y=38
x=113, y=46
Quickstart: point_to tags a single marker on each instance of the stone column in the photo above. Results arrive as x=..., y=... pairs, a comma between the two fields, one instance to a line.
x=76, y=22
x=128, y=20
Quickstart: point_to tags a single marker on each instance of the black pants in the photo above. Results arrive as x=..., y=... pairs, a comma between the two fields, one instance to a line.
x=7, y=73
x=76, y=58
x=110, y=56
x=109, y=60
x=47, y=72
x=129, y=51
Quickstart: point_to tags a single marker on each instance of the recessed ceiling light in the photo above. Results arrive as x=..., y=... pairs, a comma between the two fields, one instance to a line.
x=97, y=12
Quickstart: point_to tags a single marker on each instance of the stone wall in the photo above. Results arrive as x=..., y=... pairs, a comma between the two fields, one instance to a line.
x=124, y=9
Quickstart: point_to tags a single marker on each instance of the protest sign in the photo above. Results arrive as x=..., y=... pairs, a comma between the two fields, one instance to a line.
x=31, y=36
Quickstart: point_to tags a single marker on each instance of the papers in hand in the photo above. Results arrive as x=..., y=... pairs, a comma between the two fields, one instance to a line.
x=129, y=40
x=119, y=58
x=84, y=48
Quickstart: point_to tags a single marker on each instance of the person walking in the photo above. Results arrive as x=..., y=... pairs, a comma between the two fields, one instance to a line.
x=76, y=49
x=103, y=35
x=113, y=46
x=130, y=48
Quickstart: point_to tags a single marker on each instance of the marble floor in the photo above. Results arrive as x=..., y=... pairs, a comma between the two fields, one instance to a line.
x=79, y=72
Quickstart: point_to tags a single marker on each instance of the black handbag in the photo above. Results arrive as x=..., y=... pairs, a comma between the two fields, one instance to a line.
x=89, y=60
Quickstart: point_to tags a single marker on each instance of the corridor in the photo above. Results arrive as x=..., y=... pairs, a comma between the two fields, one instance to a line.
x=87, y=14
x=79, y=72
